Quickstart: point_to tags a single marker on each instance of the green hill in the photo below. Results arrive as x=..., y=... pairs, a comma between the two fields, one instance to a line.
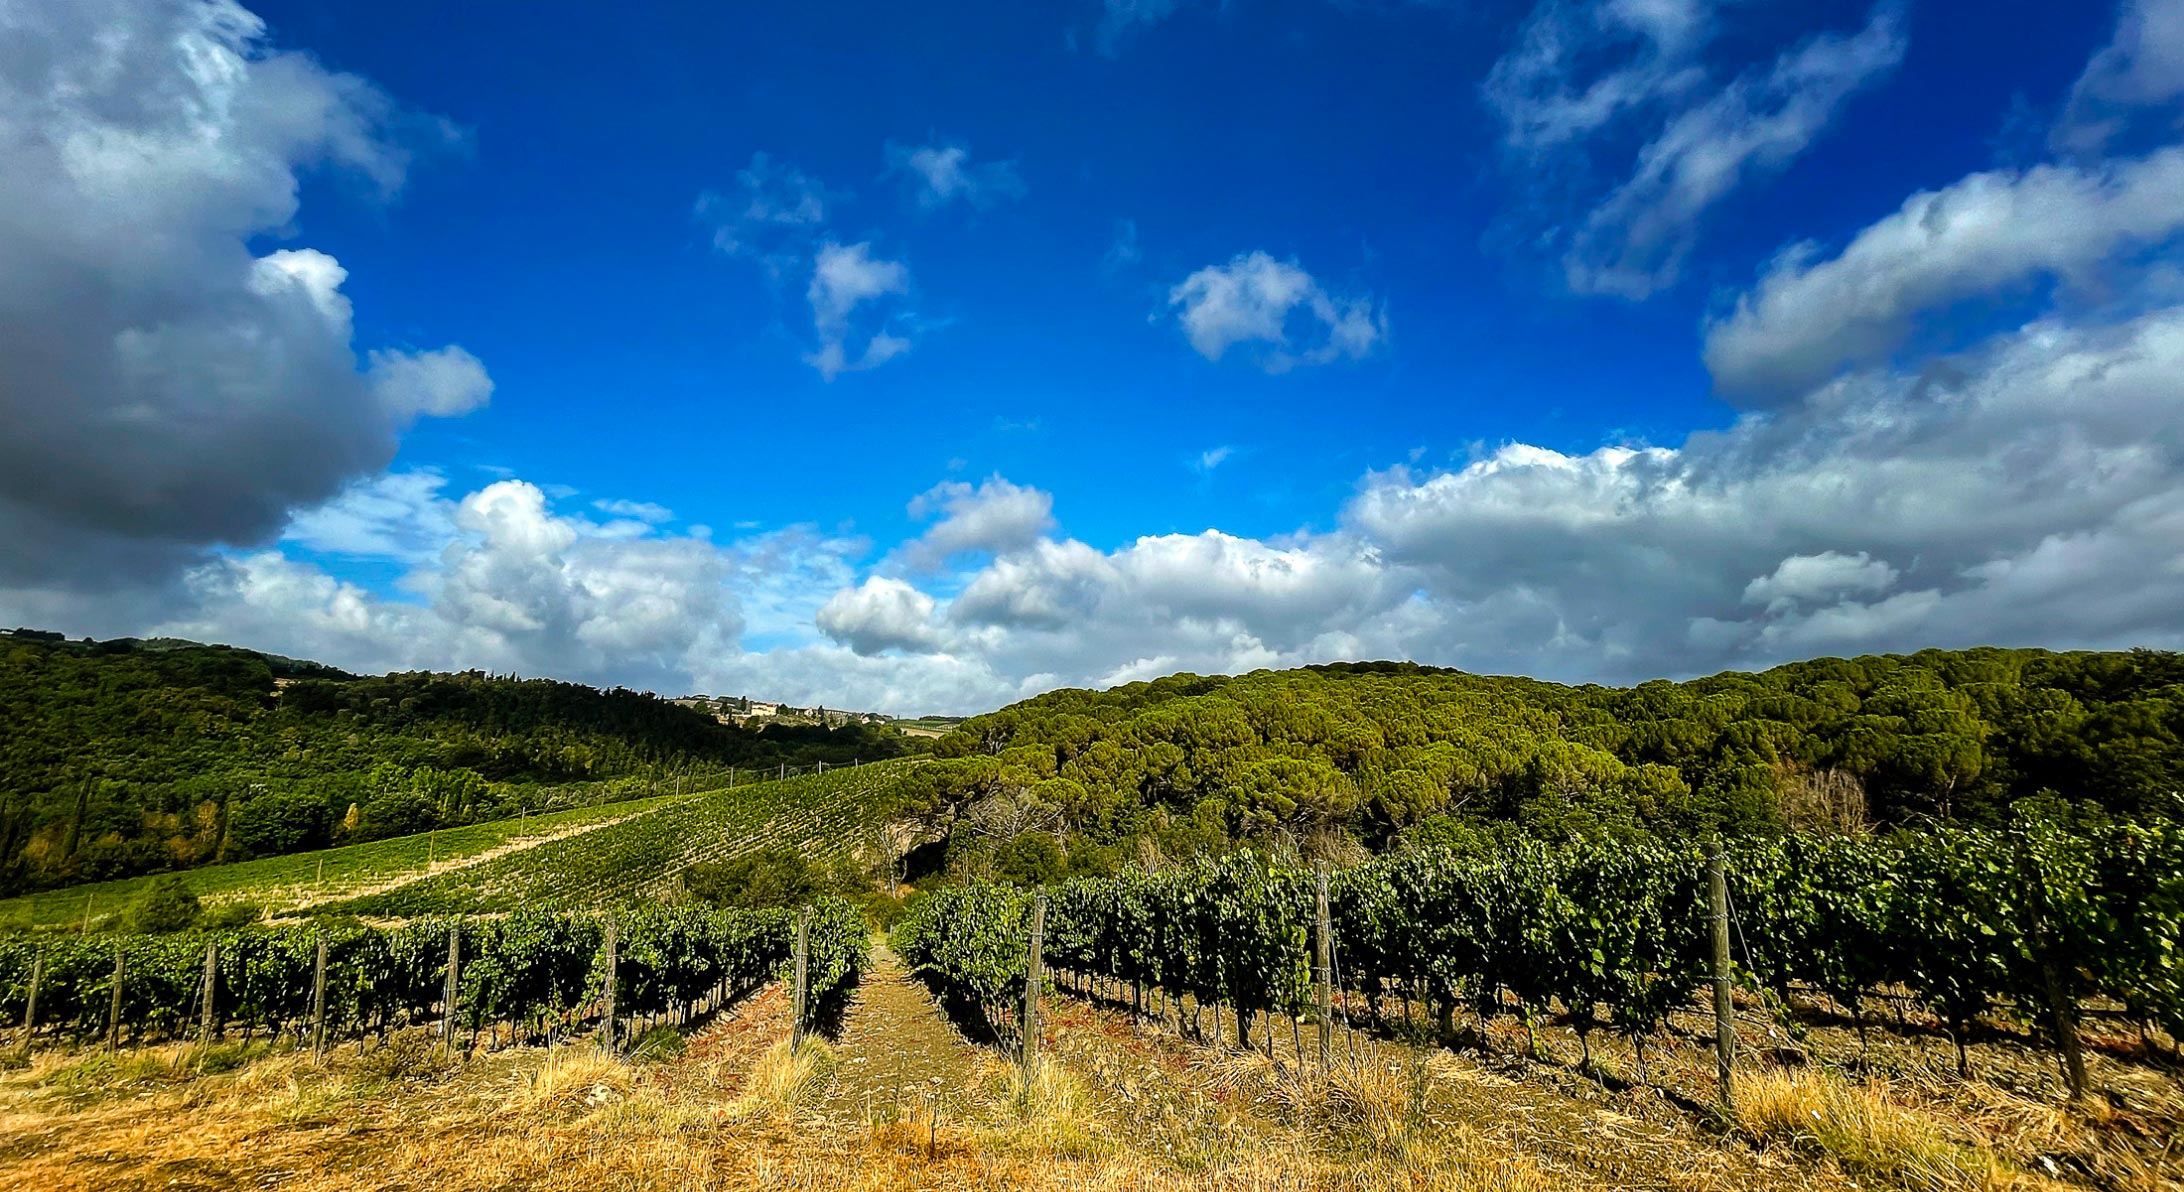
x=1334, y=758
x=128, y=757
x=582, y=857
x=824, y=817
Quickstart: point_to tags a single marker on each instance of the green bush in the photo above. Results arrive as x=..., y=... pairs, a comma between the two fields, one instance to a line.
x=766, y=878
x=165, y=906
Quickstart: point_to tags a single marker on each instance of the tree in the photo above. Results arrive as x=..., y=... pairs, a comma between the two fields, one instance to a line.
x=279, y=822
x=166, y=905
x=1032, y=859
x=767, y=878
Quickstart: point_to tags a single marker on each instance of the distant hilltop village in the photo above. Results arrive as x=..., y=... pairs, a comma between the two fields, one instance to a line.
x=743, y=710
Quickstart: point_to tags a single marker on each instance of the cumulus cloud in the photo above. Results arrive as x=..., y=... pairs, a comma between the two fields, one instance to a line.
x=940, y=174
x=442, y=383
x=1952, y=480
x=1804, y=579
x=843, y=279
x=1881, y=492
x=164, y=388
x=2028, y=491
x=1812, y=314
x=993, y=517
x=1276, y=311
x=2139, y=73
x=1585, y=78
x=777, y=216
x=879, y=614
x=515, y=587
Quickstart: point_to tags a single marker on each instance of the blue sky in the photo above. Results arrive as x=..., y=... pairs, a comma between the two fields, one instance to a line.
x=881, y=356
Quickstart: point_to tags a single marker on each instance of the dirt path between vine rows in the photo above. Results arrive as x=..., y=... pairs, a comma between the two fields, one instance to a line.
x=895, y=1049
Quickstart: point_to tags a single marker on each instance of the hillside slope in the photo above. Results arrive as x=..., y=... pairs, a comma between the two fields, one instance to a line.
x=1370, y=752
x=826, y=816
x=584, y=856
x=125, y=757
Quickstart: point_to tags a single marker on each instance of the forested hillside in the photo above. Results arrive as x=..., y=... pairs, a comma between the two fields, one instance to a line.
x=1329, y=757
x=127, y=757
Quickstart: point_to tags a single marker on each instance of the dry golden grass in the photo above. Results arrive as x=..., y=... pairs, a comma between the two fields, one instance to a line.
x=1049, y=1110
x=1869, y=1134
x=1109, y=1110
x=785, y=1079
x=572, y=1080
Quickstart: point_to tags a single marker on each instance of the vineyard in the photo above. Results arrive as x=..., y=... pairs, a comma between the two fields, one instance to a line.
x=529, y=975
x=820, y=815
x=569, y=857
x=280, y=884
x=2034, y=923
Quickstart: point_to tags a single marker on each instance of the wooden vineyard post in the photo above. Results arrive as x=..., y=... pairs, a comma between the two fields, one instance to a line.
x=784, y=770
x=30, y=1010
x=454, y=985
x=803, y=969
x=1725, y=1023
x=1325, y=947
x=318, y=999
x=113, y=1010
x=1034, y=977
x=210, y=991
x=607, y=1025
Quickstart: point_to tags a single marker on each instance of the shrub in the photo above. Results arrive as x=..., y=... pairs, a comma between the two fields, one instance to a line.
x=165, y=906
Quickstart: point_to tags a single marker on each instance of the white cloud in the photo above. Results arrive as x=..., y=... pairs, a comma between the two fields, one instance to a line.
x=1635, y=241
x=1887, y=494
x=165, y=387
x=1585, y=78
x=1213, y=458
x=879, y=614
x=2140, y=71
x=2030, y=491
x=397, y=515
x=1804, y=579
x=442, y=383
x=1533, y=87
x=1275, y=309
x=943, y=173
x=515, y=587
x=994, y=517
x=844, y=278
x=643, y=511
x=778, y=217
x=772, y=215
x=1977, y=238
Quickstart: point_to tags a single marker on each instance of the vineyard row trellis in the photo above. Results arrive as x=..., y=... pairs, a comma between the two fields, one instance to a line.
x=537, y=973
x=2033, y=920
